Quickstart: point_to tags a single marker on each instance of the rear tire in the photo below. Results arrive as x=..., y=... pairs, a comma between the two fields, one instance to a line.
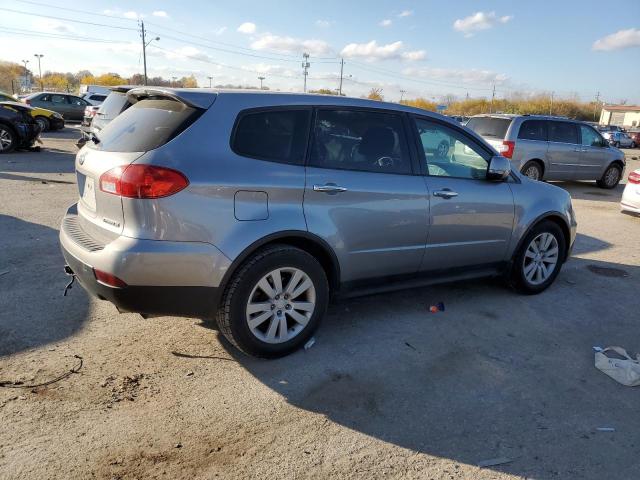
x=8, y=139
x=44, y=123
x=539, y=259
x=532, y=170
x=610, y=178
x=261, y=311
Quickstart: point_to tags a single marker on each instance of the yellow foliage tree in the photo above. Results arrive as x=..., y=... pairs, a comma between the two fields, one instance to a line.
x=375, y=94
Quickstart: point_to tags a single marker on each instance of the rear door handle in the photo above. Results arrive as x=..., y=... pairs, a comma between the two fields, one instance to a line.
x=445, y=193
x=330, y=188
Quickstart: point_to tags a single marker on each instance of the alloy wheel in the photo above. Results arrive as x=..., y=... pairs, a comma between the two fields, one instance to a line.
x=541, y=258
x=5, y=139
x=611, y=177
x=532, y=172
x=280, y=305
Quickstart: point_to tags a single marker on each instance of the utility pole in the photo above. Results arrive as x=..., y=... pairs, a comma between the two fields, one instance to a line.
x=341, y=71
x=551, y=103
x=493, y=96
x=305, y=68
x=173, y=81
x=595, y=106
x=145, y=44
x=210, y=80
x=25, y=73
x=261, y=79
x=402, y=92
x=39, y=56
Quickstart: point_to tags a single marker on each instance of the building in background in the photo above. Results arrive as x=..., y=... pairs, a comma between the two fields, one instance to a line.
x=620, y=115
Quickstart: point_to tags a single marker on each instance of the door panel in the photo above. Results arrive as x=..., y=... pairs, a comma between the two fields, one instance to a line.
x=471, y=218
x=564, y=150
x=593, y=156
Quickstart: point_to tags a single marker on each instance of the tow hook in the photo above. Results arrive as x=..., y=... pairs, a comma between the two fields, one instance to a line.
x=68, y=271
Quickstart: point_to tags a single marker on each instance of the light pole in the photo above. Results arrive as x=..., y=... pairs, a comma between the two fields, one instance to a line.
x=25, y=73
x=173, y=81
x=261, y=79
x=210, y=80
x=145, y=44
x=39, y=56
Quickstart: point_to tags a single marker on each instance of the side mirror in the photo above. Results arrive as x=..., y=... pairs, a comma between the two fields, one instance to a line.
x=499, y=168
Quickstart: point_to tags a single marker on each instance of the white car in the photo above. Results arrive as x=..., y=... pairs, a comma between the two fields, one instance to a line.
x=631, y=196
x=94, y=98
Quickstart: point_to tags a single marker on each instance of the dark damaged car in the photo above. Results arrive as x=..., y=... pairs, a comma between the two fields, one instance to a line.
x=18, y=129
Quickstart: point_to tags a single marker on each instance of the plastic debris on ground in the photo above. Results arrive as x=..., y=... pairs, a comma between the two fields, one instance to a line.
x=492, y=462
x=606, y=429
x=310, y=343
x=438, y=307
x=618, y=364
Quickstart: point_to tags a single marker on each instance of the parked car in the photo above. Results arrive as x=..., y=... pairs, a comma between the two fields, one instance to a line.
x=96, y=119
x=635, y=136
x=256, y=207
x=609, y=128
x=70, y=107
x=551, y=148
x=619, y=139
x=94, y=98
x=631, y=195
x=18, y=129
x=47, y=119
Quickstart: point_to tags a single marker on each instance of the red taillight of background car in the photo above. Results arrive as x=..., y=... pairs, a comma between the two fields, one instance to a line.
x=142, y=181
x=108, y=279
x=507, y=148
x=634, y=177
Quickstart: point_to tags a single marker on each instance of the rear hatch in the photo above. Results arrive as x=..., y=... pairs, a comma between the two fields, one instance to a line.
x=154, y=119
x=492, y=129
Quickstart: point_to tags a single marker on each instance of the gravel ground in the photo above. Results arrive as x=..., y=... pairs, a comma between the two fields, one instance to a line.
x=389, y=390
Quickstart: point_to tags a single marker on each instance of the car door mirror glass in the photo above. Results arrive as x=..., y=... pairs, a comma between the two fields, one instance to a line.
x=499, y=168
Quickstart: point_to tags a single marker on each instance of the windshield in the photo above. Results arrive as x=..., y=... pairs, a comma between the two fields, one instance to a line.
x=489, y=126
x=148, y=124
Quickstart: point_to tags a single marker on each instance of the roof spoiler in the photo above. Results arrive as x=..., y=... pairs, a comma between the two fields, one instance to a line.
x=191, y=97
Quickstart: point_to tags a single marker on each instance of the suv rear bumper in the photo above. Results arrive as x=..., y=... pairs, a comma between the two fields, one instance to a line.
x=163, y=278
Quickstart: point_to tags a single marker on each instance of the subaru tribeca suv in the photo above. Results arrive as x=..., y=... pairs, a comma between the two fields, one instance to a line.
x=552, y=148
x=255, y=208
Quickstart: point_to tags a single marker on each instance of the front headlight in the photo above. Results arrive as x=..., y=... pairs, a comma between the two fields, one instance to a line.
x=57, y=115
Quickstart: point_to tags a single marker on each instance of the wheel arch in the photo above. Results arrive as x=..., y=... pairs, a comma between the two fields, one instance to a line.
x=558, y=219
x=306, y=241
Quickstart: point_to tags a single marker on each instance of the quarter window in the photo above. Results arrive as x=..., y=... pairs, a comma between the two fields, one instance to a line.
x=533, y=130
x=360, y=140
x=563, y=132
x=274, y=135
x=450, y=153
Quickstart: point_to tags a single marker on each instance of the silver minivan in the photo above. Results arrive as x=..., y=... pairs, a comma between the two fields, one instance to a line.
x=254, y=208
x=552, y=148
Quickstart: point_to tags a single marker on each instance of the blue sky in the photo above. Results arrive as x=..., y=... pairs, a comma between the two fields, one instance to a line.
x=429, y=48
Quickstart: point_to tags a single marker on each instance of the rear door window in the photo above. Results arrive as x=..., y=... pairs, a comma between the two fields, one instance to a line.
x=563, y=132
x=533, y=130
x=590, y=137
x=273, y=135
x=148, y=124
x=489, y=126
x=113, y=105
x=360, y=140
x=59, y=99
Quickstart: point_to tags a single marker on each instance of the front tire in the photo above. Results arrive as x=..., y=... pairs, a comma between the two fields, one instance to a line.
x=610, y=178
x=274, y=302
x=8, y=139
x=44, y=123
x=539, y=259
x=532, y=170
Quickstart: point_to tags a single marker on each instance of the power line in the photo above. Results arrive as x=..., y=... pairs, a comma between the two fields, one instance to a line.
x=75, y=10
x=60, y=36
x=67, y=19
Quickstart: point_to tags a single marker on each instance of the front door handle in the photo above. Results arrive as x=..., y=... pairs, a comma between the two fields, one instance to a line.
x=330, y=188
x=445, y=193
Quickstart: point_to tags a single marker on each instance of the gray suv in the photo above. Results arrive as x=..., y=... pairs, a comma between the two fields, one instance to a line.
x=552, y=148
x=255, y=208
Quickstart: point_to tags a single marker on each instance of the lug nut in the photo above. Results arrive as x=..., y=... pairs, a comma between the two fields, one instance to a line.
x=273, y=306
x=279, y=312
x=277, y=297
x=288, y=307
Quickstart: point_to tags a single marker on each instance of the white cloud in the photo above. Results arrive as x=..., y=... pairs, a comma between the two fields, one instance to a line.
x=619, y=40
x=324, y=23
x=471, y=77
x=52, y=26
x=219, y=31
x=266, y=69
x=187, y=52
x=131, y=14
x=290, y=45
x=385, y=23
x=247, y=28
x=371, y=51
x=160, y=13
x=405, y=13
x=479, y=21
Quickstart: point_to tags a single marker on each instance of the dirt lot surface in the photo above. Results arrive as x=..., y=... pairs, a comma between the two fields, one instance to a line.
x=389, y=390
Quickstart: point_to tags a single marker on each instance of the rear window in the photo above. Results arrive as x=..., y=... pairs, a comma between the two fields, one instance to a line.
x=274, y=135
x=148, y=124
x=489, y=126
x=98, y=98
x=563, y=132
x=113, y=105
x=533, y=130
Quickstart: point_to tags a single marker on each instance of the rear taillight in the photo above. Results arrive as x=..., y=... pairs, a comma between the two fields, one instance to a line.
x=108, y=279
x=634, y=177
x=507, y=148
x=142, y=181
